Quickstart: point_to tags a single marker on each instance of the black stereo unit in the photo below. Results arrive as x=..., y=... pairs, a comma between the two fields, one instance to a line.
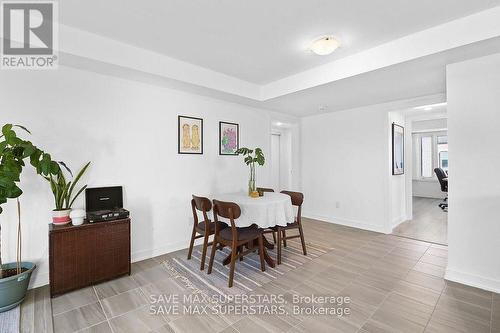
x=105, y=204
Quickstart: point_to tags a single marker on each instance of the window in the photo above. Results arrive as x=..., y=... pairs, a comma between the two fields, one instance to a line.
x=442, y=149
x=426, y=157
x=430, y=151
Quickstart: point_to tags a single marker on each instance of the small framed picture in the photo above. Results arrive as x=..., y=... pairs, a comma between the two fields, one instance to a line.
x=398, y=150
x=229, y=138
x=190, y=135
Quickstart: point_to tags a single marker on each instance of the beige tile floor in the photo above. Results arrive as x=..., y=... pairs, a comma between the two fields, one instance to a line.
x=395, y=284
x=429, y=223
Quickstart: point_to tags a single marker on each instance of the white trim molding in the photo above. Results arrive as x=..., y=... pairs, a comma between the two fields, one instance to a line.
x=472, y=280
x=347, y=222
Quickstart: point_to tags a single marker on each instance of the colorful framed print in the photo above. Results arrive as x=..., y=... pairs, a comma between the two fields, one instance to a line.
x=229, y=138
x=398, y=150
x=190, y=135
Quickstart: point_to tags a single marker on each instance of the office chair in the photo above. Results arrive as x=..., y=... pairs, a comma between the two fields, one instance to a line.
x=441, y=175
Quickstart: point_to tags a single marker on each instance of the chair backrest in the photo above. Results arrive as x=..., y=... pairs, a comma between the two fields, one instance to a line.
x=203, y=205
x=228, y=210
x=441, y=174
x=297, y=200
x=264, y=189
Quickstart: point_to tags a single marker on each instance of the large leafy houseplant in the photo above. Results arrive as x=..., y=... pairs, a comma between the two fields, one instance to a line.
x=14, y=152
x=250, y=160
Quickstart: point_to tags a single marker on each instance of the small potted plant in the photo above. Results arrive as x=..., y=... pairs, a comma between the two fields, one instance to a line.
x=15, y=276
x=63, y=193
x=250, y=160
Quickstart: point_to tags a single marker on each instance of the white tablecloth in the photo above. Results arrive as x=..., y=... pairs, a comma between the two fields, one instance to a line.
x=268, y=211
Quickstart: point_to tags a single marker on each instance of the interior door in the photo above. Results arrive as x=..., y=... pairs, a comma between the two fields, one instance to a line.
x=275, y=161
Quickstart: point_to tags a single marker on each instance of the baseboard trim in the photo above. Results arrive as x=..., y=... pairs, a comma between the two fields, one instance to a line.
x=346, y=222
x=473, y=280
x=40, y=279
x=150, y=253
x=398, y=220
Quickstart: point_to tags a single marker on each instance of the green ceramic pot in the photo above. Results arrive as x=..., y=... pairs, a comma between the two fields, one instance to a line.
x=13, y=289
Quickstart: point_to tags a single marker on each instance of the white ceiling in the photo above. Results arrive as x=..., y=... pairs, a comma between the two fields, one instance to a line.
x=262, y=41
x=421, y=77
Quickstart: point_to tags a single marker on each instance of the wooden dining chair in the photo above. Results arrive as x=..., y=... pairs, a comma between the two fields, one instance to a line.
x=263, y=190
x=234, y=237
x=297, y=200
x=204, y=228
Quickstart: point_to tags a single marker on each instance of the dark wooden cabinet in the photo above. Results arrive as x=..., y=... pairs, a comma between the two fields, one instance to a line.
x=84, y=255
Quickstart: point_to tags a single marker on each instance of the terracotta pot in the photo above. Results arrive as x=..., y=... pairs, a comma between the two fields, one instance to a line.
x=61, y=217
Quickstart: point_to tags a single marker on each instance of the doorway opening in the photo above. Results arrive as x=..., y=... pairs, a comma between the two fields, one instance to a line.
x=281, y=157
x=275, y=161
x=427, y=176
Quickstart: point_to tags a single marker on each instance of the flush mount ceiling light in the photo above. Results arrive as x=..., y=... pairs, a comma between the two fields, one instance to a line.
x=324, y=45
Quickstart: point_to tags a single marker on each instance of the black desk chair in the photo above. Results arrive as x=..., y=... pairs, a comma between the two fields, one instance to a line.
x=442, y=176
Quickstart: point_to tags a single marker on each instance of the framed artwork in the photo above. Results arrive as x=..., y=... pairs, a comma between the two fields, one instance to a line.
x=229, y=138
x=398, y=150
x=190, y=135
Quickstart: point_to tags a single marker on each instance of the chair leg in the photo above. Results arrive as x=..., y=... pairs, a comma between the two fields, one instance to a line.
x=274, y=237
x=284, y=238
x=212, y=255
x=301, y=232
x=191, y=244
x=204, y=252
x=278, y=251
x=261, y=253
x=234, y=250
x=240, y=250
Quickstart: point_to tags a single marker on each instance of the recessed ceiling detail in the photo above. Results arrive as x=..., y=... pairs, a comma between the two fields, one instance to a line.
x=260, y=41
x=404, y=66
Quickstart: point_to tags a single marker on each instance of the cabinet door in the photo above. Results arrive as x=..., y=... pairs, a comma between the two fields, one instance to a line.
x=71, y=259
x=112, y=251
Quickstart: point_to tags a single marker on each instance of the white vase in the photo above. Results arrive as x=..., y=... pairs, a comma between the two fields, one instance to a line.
x=77, y=216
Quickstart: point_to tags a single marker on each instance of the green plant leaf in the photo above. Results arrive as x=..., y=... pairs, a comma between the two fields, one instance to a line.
x=6, y=182
x=13, y=152
x=54, y=168
x=14, y=192
x=76, y=196
x=77, y=178
x=66, y=167
x=22, y=127
x=6, y=128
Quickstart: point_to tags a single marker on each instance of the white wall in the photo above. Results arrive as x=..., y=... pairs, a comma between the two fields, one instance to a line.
x=397, y=184
x=473, y=89
x=428, y=189
x=129, y=132
x=345, y=168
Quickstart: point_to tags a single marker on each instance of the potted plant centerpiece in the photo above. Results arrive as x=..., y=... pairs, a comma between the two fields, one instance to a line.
x=14, y=151
x=63, y=193
x=250, y=160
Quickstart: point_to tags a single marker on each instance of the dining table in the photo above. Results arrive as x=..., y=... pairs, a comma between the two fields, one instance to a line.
x=270, y=210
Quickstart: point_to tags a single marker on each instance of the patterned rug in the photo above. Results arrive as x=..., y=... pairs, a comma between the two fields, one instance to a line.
x=9, y=320
x=247, y=276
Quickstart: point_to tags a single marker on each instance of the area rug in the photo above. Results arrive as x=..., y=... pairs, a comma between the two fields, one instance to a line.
x=9, y=320
x=248, y=275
